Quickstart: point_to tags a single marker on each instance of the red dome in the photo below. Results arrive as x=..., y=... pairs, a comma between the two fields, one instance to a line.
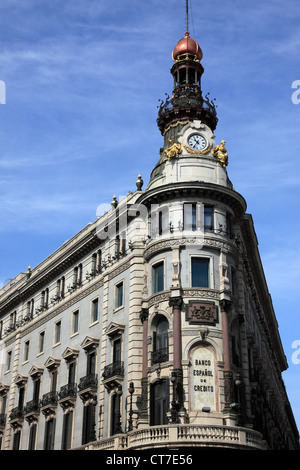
x=187, y=45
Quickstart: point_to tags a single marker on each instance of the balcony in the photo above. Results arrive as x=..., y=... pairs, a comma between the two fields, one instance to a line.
x=2, y=421
x=49, y=403
x=183, y=436
x=87, y=387
x=161, y=355
x=67, y=396
x=32, y=410
x=16, y=417
x=113, y=374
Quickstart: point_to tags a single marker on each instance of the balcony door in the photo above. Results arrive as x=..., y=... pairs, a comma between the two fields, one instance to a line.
x=159, y=402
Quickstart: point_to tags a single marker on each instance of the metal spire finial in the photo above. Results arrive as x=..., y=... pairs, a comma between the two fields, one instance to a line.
x=187, y=14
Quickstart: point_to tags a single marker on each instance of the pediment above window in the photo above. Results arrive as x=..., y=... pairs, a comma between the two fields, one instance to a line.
x=90, y=343
x=21, y=379
x=3, y=388
x=52, y=363
x=70, y=354
x=36, y=371
x=114, y=329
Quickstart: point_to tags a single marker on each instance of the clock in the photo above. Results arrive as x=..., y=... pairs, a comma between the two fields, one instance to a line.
x=197, y=142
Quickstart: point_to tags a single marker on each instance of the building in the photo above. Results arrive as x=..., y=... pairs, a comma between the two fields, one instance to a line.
x=152, y=326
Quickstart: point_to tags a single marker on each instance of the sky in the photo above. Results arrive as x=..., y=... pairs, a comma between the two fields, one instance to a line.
x=80, y=82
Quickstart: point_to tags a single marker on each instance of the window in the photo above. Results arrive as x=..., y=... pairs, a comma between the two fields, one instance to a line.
x=91, y=363
x=41, y=342
x=60, y=288
x=57, y=332
x=32, y=437
x=53, y=380
x=200, y=272
x=159, y=402
x=94, y=313
x=88, y=424
x=160, y=341
x=158, y=277
x=72, y=373
x=75, y=322
x=208, y=218
x=45, y=299
x=117, y=350
x=67, y=431
x=8, y=360
x=119, y=295
x=26, y=351
x=49, y=434
x=190, y=216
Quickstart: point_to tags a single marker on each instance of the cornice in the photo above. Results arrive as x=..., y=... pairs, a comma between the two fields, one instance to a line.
x=176, y=241
x=261, y=292
x=43, y=276
x=222, y=194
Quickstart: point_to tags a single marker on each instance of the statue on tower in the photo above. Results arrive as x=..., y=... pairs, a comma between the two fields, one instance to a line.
x=220, y=152
x=173, y=150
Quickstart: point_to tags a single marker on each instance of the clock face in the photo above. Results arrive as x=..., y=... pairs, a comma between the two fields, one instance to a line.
x=197, y=142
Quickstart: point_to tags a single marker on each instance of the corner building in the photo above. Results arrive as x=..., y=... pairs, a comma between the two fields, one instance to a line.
x=153, y=326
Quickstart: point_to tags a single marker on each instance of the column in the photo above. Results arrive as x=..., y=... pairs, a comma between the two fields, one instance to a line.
x=144, y=382
x=225, y=306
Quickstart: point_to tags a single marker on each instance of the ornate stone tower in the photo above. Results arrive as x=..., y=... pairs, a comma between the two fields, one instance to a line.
x=206, y=297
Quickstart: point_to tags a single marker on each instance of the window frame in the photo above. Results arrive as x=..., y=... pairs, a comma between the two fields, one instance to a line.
x=116, y=295
x=92, y=316
x=209, y=271
x=75, y=322
x=154, y=266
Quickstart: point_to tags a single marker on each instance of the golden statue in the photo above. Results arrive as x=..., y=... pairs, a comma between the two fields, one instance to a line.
x=220, y=152
x=173, y=150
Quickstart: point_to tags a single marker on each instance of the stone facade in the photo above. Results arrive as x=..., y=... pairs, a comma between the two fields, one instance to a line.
x=153, y=326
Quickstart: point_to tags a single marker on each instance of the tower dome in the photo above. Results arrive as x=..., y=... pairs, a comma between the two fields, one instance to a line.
x=187, y=45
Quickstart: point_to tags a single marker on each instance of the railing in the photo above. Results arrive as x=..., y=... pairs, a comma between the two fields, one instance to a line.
x=17, y=413
x=31, y=406
x=90, y=380
x=116, y=368
x=69, y=390
x=2, y=419
x=185, y=435
x=49, y=398
x=161, y=355
x=198, y=435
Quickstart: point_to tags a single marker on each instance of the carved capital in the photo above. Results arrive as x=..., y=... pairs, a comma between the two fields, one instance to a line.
x=225, y=305
x=175, y=302
x=144, y=314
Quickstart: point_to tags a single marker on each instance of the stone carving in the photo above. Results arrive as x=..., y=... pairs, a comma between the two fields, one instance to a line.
x=173, y=150
x=220, y=152
x=203, y=313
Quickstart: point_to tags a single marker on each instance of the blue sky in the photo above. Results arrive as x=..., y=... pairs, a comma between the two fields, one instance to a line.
x=83, y=79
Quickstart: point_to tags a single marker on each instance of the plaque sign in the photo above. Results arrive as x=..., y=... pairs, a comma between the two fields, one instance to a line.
x=203, y=379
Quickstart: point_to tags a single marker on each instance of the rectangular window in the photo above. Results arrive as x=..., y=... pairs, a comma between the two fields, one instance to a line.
x=8, y=360
x=208, y=218
x=49, y=434
x=26, y=351
x=75, y=322
x=67, y=431
x=94, y=313
x=117, y=350
x=158, y=277
x=41, y=342
x=57, y=332
x=190, y=217
x=32, y=437
x=200, y=272
x=119, y=295
x=53, y=379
